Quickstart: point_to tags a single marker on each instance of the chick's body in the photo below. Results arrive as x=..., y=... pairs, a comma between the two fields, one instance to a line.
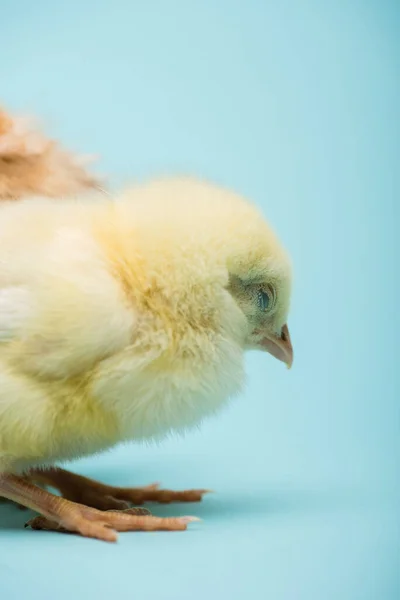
x=115, y=318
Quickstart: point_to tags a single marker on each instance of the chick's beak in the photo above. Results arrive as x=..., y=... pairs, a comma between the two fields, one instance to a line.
x=280, y=347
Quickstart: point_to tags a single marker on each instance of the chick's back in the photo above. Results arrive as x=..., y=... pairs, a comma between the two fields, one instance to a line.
x=61, y=312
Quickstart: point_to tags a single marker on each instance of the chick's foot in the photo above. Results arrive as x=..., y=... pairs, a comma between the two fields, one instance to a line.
x=59, y=514
x=105, y=497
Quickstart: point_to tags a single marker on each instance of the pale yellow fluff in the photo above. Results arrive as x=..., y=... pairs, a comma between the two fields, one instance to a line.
x=116, y=318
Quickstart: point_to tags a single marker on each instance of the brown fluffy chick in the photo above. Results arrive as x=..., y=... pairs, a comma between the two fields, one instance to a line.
x=126, y=318
x=33, y=165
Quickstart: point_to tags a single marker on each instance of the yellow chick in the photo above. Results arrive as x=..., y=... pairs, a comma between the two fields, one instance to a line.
x=126, y=319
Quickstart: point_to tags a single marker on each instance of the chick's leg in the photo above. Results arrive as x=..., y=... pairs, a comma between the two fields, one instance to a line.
x=106, y=497
x=63, y=515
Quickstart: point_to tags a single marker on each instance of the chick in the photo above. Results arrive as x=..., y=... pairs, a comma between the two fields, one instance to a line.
x=126, y=319
x=31, y=164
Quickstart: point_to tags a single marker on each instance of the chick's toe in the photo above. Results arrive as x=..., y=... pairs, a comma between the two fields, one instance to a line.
x=107, y=497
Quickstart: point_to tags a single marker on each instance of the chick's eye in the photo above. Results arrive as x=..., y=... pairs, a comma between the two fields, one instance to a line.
x=265, y=300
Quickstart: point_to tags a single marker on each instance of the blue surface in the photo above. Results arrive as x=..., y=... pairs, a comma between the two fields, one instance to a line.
x=295, y=104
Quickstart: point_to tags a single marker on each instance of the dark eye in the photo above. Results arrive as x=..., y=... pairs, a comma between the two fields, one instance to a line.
x=265, y=299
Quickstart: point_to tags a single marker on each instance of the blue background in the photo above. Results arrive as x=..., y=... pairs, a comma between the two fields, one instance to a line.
x=295, y=104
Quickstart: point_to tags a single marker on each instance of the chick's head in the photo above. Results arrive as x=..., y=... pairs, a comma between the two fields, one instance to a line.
x=209, y=238
x=259, y=277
